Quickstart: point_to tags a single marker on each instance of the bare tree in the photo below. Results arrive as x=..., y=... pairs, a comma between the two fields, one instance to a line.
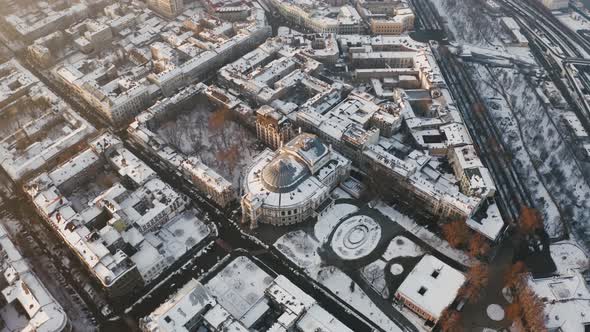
x=532, y=309
x=450, y=321
x=456, y=233
x=218, y=118
x=478, y=246
x=513, y=311
x=477, y=280
x=514, y=274
x=530, y=220
x=373, y=273
x=527, y=310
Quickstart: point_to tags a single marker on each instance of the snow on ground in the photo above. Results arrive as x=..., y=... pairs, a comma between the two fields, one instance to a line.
x=495, y=312
x=506, y=121
x=457, y=23
x=301, y=249
x=467, y=24
x=469, y=27
x=326, y=223
x=374, y=275
x=567, y=302
x=401, y=246
x=425, y=235
x=568, y=255
x=521, y=55
x=228, y=147
x=396, y=269
x=574, y=21
x=356, y=237
x=523, y=52
x=536, y=150
x=537, y=146
x=509, y=126
x=350, y=292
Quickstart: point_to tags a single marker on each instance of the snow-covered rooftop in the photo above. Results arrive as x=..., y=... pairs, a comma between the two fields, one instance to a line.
x=566, y=301
x=236, y=298
x=191, y=300
x=432, y=285
x=149, y=215
x=44, y=313
x=294, y=174
x=491, y=225
x=37, y=125
x=154, y=55
x=566, y=295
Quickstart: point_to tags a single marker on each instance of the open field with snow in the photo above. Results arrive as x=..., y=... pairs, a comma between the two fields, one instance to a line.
x=362, y=253
x=574, y=21
x=543, y=159
x=356, y=237
x=467, y=24
x=401, y=246
x=222, y=144
x=300, y=248
x=374, y=274
x=326, y=223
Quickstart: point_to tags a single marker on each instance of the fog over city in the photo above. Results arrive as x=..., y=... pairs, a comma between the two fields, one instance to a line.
x=294, y=165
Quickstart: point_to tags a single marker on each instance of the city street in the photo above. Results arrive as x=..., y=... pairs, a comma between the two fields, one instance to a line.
x=52, y=263
x=234, y=239
x=399, y=163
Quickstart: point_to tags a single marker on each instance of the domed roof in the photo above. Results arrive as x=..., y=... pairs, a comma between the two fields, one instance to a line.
x=284, y=173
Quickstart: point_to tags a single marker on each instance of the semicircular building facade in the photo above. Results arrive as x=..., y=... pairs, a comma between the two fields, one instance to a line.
x=292, y=184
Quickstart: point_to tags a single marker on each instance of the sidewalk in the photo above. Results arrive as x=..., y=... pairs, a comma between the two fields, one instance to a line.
x=425, y=235
x=474, y=316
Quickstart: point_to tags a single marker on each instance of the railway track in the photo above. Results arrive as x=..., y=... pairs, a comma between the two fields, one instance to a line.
x=427, y=15
x=555, y=31
x=511, y=192
x=550, y=35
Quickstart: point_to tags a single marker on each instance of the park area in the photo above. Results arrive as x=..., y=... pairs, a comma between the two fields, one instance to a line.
x=203, y=131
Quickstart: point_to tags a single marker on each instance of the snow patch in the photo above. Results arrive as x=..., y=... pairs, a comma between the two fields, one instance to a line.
x=401, y=246
x=374, y=275
x=326, y=223
x=495, y=312
x=356, y=237
x=425, y=235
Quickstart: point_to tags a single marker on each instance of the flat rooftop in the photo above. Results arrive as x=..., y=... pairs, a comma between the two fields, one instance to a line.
x=432, y=285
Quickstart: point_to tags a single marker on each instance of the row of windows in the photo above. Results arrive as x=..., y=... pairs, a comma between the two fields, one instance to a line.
x=288, y=212
x=414, y=307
